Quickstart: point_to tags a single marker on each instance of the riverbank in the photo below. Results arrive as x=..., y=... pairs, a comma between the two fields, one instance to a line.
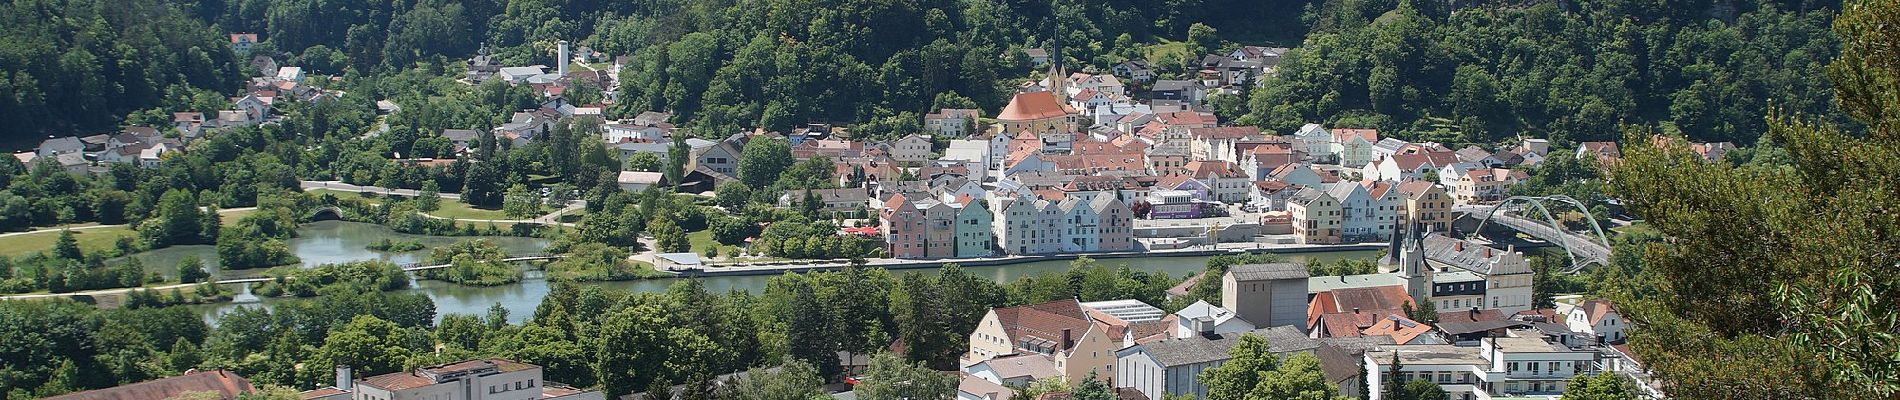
x=521, y=299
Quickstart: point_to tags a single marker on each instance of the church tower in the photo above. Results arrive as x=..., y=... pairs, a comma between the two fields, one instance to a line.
x=1418, y=276
x=1058, y=77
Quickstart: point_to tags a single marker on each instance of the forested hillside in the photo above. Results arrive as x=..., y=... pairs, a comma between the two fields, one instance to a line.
x=78, y=65
x=1482, y=73
x=1564, y=70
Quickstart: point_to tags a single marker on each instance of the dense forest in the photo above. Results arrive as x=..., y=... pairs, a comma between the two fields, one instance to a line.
x=1569, y=71
x=1454, y=72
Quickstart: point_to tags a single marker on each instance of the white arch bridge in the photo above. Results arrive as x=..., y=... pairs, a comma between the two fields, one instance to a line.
x=1532, y=216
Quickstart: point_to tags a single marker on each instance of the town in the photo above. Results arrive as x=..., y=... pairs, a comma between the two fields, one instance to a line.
x=974, y=200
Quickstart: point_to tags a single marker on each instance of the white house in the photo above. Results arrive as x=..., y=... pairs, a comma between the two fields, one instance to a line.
x=1596, y=318
x=1366, y=218
x=292, y=74
x=1520, y=364
x=1201, y=317
x=635, y=181
x=1316, y=141
x=481, y=379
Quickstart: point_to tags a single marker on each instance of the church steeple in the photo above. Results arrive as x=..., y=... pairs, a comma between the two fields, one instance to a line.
x=1393, y=249
x=1418, y=276
x=1058, y=77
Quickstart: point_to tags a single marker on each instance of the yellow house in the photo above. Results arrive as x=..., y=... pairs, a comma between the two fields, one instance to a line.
x=1425, y=203
x=1060, y=330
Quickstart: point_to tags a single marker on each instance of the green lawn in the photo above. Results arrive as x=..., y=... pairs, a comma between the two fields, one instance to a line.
x=230, y=216
x=703, y=240
x=90, y=240
x=1168, y=50
x=459, y=210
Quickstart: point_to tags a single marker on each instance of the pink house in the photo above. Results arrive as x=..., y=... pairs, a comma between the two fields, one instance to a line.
x=903, y=227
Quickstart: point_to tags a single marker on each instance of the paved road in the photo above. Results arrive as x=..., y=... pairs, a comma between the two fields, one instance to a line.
x=91, y=227
x=345, y=187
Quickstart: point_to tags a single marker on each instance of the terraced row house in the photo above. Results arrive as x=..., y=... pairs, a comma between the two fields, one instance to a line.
x=1079, y=224
x=925, y=227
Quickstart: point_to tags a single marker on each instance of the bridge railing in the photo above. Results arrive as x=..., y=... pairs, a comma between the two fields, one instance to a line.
x=1594, y=252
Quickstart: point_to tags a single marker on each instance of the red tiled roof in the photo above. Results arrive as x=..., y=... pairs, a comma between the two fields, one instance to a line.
x=320, y=393
x=227, y=384
x=1201, y=169
x=1032, y=106
x=1414, y=189
x=1044, y=321
x=1401, y=329
x=1225, y=132
x=1596, y=309
x=1342, y=134
x=1364, y=299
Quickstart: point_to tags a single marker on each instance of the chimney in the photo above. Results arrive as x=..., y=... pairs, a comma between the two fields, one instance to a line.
x=562, y=61
x=1355, y=310
x=343, y=381
x=1068, y=339
x=1474, y=313
x=1459, y=246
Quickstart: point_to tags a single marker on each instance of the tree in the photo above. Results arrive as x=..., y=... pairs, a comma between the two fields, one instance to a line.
x=890, y=377
x=1602, y=386
x=184, y=355
x=1202, y=39
x=1298, y=377
x=1810, y=317
x=191, y=270
x=644, y=162
x=763, y=160
x=430, y=198
x=176, y=221
x=1092, y=388
x=1422, y=389
x=732, y=195
x=668, y=236
x=1236, y=379
x=630, y=351
x=519, y=203
x=371, y=345
x=790, y=381
x=67, y=247
x=812, y=332
x=677, y=156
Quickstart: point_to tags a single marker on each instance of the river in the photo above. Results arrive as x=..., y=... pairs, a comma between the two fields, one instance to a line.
x=336, y=241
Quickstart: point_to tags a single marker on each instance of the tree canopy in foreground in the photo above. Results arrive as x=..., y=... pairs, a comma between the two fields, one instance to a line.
x=1777, y=282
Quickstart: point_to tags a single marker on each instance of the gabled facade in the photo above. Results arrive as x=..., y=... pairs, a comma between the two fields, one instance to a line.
x=1353, y=146
x=975, y=237
x=1364, y=218
x=1317, y=141
x=904, y=228
x=1597, y=318
x=1060, y=329
x=911, y=149
x=1426, y=204
x=1117, y=223
x=1316, y=217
